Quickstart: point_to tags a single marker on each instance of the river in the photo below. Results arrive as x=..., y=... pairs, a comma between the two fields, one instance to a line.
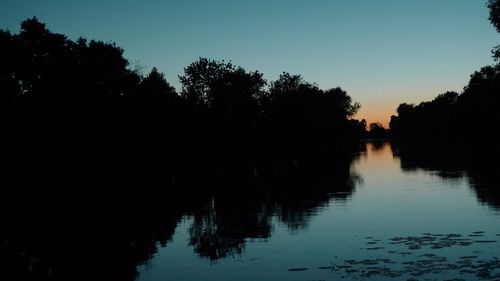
x=400, y=214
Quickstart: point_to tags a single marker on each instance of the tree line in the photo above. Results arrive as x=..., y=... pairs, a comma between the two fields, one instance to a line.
x=102, y=161
x=76, y=106
x=473, y=113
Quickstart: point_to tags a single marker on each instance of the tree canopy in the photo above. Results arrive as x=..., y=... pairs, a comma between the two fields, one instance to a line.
x=494, y=6
x=84, y=95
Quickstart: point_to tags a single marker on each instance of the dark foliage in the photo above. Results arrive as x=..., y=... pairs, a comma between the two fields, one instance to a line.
x=377, y=130
x=299, y=114
x=103, y=162
x=494, y=6
x=77, y=108
x=438, y=117
x=471, y=114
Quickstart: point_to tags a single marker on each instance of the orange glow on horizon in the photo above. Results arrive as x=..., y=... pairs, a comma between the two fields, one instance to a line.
x=374, y=113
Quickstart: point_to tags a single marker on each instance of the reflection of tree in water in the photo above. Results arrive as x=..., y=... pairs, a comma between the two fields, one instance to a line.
x=220, y=229
x=292, y=195
x=377, y=146
x=485, y=185
x=478, y=162
x=103, y=232
x=44, y=238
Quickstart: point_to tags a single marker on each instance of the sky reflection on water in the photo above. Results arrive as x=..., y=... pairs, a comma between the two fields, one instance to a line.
x=387, y=204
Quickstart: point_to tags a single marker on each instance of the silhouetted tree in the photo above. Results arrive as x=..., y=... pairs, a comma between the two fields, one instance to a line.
x=377, y=130
x=9, y=85
x=496, y=53
x=201, y=78
x=478, y=103
x=393, y=123
x=494, y=6
x=155, y=84
x=226, y=90
x=300, y=113
x=375, y=127
x=358, y=127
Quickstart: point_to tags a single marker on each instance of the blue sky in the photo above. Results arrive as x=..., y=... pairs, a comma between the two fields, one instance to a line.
x=382, y=52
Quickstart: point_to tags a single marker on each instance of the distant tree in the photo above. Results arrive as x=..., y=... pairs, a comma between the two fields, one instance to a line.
x=155, y=100
x=49, y=65
x=406, y=119
x=293, y=85
x=302, y=112
x=201, y=77
x=478, y=103
x=471, y=113
x=288, y=107
x=447, y=99
x=434, y=117
x=228, y=92
x=496, y=53
x=288, y=84
x=344, y=102
x=236, y=95
x=405, y=108
x=393, y=124
x=377, y=130
x=376, y=126
x=105, y=70
x=155, y=84
x=358, y=127
x=10, y=86
x=494, y=6
x=363, y=124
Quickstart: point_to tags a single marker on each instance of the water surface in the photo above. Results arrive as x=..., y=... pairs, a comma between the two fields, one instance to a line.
x=399, y=214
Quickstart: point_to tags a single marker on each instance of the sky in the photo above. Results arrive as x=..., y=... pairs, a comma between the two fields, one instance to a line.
x=382, y=52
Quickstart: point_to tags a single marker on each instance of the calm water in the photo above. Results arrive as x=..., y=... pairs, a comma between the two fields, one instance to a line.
x=398, y=217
